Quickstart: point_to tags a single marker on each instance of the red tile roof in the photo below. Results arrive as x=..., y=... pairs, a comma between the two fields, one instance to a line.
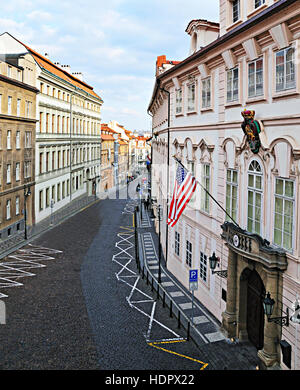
x=46, y=64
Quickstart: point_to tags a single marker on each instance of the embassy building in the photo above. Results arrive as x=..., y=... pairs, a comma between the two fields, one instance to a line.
x=230, y=113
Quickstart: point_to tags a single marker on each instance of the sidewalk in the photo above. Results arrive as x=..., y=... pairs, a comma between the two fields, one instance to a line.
x=17, y=241
x=204, y=330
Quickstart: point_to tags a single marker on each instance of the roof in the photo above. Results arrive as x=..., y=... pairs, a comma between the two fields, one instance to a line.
x=46, y=64
x=105, y=127
x=107, y=137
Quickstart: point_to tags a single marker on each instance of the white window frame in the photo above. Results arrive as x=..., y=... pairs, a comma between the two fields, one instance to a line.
x=258, y=3
x=9, y=102
x=231, y=84
x=236, y=13
x=8, y=140
x=256, y=75
x=256, y=193
x=189, y=253
x=8, y=173
x=206, y=92
x=205, y=181
x=191, y=96
x=8, y=209
x=18, y=107
x=179, y=101
x=177, y=243
x=18, y=171
x=17, y=205
x=18, y=139
x=284, y=198
x=285, y=76
x=231, y=184
x=203, y=267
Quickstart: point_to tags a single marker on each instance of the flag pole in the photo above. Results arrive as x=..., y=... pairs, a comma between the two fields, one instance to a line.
x=179, y=162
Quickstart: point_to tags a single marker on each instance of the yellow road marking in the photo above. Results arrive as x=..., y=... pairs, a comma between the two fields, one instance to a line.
x=154, y=344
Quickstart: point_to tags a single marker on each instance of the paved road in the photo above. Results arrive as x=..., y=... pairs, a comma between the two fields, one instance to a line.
x=85, y=310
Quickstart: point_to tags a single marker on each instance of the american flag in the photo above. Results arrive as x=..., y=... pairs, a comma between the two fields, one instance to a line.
x=185, y=186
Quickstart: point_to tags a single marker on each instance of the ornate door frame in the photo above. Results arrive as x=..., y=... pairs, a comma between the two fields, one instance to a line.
x=249, y=251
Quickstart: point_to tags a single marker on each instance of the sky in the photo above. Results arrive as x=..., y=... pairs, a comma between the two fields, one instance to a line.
x=114, y=43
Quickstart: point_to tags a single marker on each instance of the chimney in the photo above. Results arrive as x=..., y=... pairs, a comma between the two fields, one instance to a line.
x=57, y=64
x=66, y=68
x=78, y=75
x=47, y=56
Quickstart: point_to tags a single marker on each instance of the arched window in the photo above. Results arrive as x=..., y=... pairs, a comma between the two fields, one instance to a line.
x=255, y=192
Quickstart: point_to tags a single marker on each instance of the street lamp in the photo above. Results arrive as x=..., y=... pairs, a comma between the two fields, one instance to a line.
x=213, y=261
x=268, y=304
x=27, y=193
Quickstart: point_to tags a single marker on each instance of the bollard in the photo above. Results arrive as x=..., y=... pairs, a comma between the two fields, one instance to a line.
x=157, y=291
x=152, y=284
x=164, y=299
x=171, y=315
x=178, y=319
x=143, y=272
x=188, y=331
x=147, y=278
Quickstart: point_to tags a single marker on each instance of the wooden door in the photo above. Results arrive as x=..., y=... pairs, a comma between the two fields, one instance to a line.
x=255, y=311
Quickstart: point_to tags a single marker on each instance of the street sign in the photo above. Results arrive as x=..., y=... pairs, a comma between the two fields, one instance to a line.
x=193, y=275
x=193, y=279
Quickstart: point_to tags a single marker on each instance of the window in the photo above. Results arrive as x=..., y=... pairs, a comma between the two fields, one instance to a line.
x=188, y=253
x=47, y=161
x=28, y=108
x=232, y=85
x=255, y=191
x=285, y=69
x=191, y=97
x=177, y=243
x=258, y=3
x=203, y=267
x=28, y=139
x=58, y=192
x=53, y=193
x=0, y=103
x=17, y=205
x=41, y=122
x=255, y=78
x=8, y=208
x=47, y=197
x=18, y=107
x=18, y=135
x=205, y=181
x=231, y=193
x=9, y=71
x=206, y=93
x=17, y=171
x=235, y=10
x=27, y=169
x=179, y=101
x=8, y=140
x=41, y=199
x=41, y=162
x=8, y=173
x=284, y=213
x=9, y=99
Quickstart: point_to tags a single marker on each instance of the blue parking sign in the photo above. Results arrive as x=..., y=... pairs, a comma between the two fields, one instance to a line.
x=193, y=275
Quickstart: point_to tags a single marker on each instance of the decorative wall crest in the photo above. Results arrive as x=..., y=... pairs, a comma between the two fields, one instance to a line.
x=251, y=129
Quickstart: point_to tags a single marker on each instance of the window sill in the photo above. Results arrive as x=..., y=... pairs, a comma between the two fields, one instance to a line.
x=191, y=113
x=233, y=25
x=206, y=109
x=233, y=104
x=256, y=99
x=284, y=94
x=179, y=114
x=256, y=11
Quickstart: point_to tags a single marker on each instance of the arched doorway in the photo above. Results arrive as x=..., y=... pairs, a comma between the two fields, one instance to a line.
x=255, y=312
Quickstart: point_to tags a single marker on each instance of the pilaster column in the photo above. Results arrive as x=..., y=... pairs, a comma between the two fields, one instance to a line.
x=269, y=353
x=229, y=316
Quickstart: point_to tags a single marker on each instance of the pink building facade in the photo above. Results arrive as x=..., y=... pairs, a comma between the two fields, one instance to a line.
x=250, y=61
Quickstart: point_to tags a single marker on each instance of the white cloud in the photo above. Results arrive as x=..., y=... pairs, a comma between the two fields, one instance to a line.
x=39, y=15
